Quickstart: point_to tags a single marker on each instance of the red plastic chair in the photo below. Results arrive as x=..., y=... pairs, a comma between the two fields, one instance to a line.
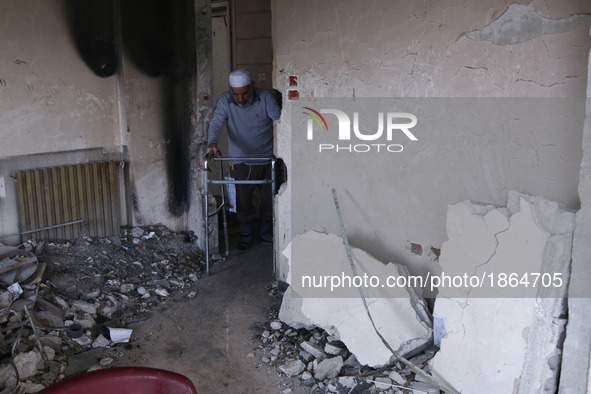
x=124, y=380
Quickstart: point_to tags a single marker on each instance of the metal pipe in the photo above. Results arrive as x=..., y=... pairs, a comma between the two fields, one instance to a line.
x=240, y=182
x=54, y=226
x=44, y=228
x=273, y=211
x=206, y=214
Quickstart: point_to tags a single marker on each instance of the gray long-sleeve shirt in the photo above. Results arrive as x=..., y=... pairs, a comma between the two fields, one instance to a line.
x=250, y=129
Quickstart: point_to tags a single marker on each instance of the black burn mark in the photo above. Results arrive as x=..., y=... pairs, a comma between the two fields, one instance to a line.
x=92, y=25
x=178, y=127
x=148, y=28
x=158, y=37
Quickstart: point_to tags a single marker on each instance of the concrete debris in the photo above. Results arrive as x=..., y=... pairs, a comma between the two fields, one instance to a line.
x=425, y=387
x=87, y=291
x=285, y=350
x=332, y=349
x=82, y=306
x=314, y=350
x=397, y=378
x=28, y=363
x=383, y=383
x=293, y=368
x=100, y=341
x=344, y=315
x=530, y=237
x=328, y=368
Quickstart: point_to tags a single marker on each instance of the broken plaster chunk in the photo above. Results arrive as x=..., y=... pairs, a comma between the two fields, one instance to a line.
x=83, y=341
x=332, y=349
x=397, y=378
x=100, y=341
x=347, y=382
x=84, y=306
x=86, y=321
x=344, y=315
x=161, y=292
x=383, y=383
x=49, y=353
x=275, y=351
x=312, y=349
x=51, y=341
x=328, y=368
x=276, y=325
x=293, y=368
x=425, y=387
x=28, y=363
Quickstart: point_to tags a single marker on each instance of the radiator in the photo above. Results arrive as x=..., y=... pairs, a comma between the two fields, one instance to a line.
x=63, y=203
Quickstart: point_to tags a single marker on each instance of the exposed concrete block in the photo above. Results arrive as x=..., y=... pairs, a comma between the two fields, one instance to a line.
x=331, y=349
x=312, y=349
x=404, y=321
x=496, y=336
x=383, y=383
x=328, y=368
x=293, y=368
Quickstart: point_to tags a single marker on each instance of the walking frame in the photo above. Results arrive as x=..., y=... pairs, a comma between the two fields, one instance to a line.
x=223, y=182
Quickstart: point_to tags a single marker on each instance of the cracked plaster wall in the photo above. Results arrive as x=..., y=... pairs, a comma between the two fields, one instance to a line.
x=420, y=49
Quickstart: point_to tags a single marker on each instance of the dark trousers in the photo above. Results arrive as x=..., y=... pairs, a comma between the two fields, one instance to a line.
x=245, y=210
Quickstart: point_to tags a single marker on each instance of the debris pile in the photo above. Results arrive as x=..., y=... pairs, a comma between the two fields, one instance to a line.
x=322, y=363
x=64, y=306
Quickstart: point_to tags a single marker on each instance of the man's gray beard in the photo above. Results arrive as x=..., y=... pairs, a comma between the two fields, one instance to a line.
x=248, y=103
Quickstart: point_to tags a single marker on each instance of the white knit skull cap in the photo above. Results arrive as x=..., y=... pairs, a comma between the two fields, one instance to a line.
x=239, y=78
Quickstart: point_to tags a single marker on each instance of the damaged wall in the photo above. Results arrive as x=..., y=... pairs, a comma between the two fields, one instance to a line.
x=73, y=83
x=421, y=49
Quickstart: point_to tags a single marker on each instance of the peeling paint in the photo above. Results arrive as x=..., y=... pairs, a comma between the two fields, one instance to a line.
x=522, y=23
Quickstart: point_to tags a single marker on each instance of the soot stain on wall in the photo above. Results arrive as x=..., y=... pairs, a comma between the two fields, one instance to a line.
x=92, y=25
x=158, y=37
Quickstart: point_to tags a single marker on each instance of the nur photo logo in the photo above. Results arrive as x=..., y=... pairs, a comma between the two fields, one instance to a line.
x=390, y=126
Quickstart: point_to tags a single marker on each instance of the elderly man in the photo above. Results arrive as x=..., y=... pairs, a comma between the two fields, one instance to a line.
x=248, y=114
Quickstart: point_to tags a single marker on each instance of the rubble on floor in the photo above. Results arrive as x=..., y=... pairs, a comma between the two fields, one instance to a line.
x=321, y=363
x=70, y=314
x=507, y=335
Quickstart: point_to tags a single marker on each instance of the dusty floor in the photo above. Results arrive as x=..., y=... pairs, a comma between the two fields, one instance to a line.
x=209, y=338
x=153, y=281
x=221, y=330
